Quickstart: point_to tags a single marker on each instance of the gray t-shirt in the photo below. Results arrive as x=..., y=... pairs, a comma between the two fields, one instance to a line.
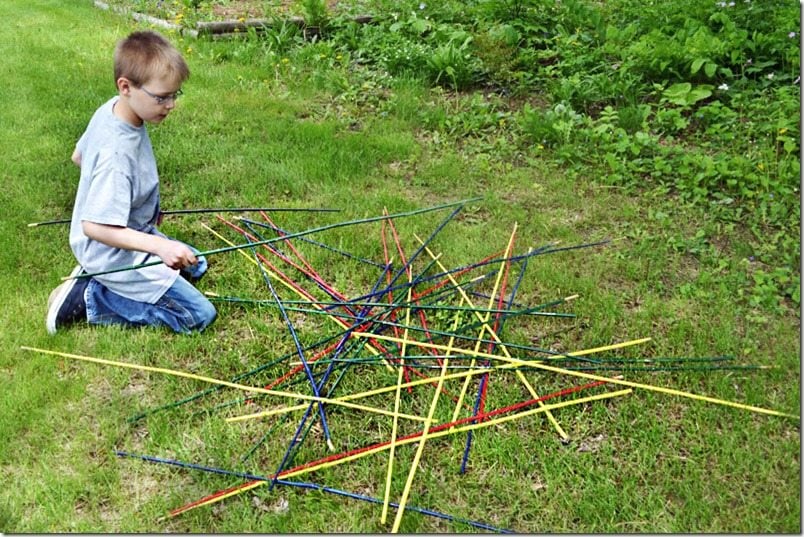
x=119, y=186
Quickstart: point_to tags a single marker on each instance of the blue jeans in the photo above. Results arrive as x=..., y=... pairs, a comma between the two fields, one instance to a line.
x=182, y=308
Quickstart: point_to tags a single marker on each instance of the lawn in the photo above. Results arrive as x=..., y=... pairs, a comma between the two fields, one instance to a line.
x=706, y=268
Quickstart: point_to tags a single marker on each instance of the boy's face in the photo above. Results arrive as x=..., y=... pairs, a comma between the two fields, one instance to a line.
x=151, y=101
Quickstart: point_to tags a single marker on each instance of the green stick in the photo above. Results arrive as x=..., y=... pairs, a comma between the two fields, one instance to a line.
x=210, y=210
x=400, y=305
x=282, y=238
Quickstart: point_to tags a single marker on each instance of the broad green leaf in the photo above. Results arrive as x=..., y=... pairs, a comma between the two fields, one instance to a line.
x=699, y=93
x=420, y=26
x=677, y=93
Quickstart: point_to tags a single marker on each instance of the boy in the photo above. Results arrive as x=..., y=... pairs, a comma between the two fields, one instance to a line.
x=117, y=206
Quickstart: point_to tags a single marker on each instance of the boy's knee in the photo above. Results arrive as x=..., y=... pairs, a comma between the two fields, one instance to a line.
x=205, y=315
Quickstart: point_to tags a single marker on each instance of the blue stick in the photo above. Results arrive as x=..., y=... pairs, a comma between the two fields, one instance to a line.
x=395, y=505
x=317, y=388
x=297, y=344
x=301, y=484
x=474, y=413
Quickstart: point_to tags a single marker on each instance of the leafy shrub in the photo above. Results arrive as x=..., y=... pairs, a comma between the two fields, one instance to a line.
x=315, y=13
x=452, y=63
x=550, y=127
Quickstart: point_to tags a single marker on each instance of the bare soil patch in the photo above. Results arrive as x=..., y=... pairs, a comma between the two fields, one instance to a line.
x=257, y=9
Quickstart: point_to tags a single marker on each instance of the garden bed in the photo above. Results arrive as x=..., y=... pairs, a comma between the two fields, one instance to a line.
x=229, y=18
x=230, y=10
x=258, y=9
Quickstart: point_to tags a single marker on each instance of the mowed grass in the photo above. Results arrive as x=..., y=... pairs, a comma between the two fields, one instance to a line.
x=250, y=134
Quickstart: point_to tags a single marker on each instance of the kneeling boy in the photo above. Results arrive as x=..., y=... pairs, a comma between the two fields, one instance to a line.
x=117, y=207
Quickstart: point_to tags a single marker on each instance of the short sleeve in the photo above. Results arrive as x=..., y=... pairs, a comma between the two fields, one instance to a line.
x=108, y=199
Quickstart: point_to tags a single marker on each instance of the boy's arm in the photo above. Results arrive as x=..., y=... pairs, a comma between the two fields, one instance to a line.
x=76, y=158
x=175, y=254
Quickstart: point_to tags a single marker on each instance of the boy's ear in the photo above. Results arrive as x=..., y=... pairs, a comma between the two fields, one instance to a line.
x=124, y=85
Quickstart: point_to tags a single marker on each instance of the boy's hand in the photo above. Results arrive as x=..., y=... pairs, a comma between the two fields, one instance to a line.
x=176, y=254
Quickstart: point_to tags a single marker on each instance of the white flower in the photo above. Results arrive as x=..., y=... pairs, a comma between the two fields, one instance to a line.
x=791, y=35
x=724, y=87
x=422, y=5
x=771, y=75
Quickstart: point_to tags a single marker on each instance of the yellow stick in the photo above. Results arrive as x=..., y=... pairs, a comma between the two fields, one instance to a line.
x=649, y=387
x=482, y=318
x=425, y=431
x=397, y=398
x=438, y=434
x=521, y=376
x=251, y=259
x=223, y=382
x=389, y=473
x=509, y=360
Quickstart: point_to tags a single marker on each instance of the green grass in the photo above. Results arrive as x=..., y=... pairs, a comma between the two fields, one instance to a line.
x=305, y=135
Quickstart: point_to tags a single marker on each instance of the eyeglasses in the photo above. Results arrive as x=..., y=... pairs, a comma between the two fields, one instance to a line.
x=162, y=99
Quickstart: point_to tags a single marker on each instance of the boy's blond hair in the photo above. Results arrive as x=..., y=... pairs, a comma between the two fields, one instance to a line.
x=143, y=56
